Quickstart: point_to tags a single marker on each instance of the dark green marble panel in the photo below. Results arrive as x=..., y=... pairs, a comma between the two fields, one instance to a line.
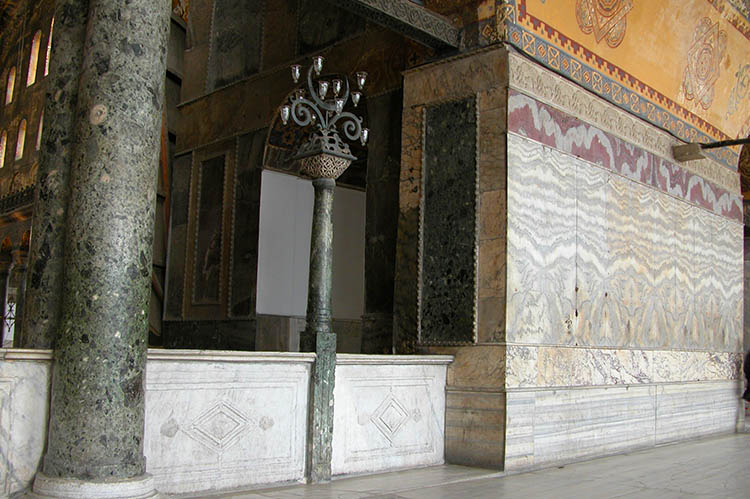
x=209, y=232
x=449, y=223
x=237, y=27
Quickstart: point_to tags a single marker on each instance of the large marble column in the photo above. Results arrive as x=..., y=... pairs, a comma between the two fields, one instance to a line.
x=95, y=439
x=318, y=335
x=43, y=296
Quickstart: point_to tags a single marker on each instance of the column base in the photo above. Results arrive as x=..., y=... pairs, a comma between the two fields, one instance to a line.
x=141, y=487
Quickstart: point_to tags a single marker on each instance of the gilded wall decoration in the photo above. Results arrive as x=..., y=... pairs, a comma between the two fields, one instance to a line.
x=181, y=8
x=644, y=82
x=704, y=59
x=605, y=18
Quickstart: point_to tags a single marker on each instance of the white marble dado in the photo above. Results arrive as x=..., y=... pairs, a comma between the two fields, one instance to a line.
x=389, y=412
x=24, y=395
x=551, y=426
x=217, y=420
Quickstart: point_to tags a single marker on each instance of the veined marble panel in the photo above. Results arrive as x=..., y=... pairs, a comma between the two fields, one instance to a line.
x=217, y=421
x=597, y=259
x=541, y=244
x=25, y=377
x=553, y=89
x=545, y=124
x=562, y=366
x=546, y=427
x=388, y=413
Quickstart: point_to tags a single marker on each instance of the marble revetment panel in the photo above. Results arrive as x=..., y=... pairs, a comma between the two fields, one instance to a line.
x=209, y=231
x=218, y=421
x=596, y=258
x=541, y=244
x=25, y=377
x=389, y=412
x=449, y=224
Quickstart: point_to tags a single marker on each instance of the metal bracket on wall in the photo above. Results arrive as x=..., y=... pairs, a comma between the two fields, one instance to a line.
x=688, y=152
x=408, y=18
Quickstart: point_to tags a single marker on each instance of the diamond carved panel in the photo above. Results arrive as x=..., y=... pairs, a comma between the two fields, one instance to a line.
x=220, y=427
x=390, y=417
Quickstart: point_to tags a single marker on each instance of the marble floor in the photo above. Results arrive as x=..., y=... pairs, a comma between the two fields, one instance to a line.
x=717, y=467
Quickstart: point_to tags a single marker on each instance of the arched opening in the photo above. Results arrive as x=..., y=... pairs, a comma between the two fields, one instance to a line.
x=285, y=226
x=21, y=139
x=3, y=145
x=33, y=58
x=49, y=47
x=11, y=85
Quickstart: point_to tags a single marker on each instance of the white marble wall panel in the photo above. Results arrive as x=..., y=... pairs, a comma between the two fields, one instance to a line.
x=696, y=410
x=598, y=259
x=561, y=366
x=225, y=420
x=389, y=412
x=25, y=377
x=547, y=427
x=541, y=244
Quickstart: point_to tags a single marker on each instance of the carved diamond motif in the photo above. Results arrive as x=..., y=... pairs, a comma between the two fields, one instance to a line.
x=219, y=427
x=390, y=417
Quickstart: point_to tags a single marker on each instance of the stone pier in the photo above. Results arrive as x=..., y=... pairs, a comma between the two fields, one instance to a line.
x=95, y=441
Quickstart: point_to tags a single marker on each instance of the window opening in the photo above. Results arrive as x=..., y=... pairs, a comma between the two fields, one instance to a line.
x=33, y=59
x=3, y=144
x=21, y=139
x=39, y=131
x=49, y=47
x=11, y=85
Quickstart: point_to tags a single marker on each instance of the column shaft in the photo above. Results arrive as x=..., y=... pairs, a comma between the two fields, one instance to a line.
x=97, y=407
x=318, y=333
x=43, y=297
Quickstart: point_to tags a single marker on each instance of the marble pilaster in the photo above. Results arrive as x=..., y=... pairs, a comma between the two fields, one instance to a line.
x=383, y=169
x=44, y=289
x=97, y=405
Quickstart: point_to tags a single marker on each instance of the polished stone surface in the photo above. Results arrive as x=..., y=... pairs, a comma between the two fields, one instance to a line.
x=448, y=225
x=218, y=420
x=712, y=468
x=389, y=412
x=97, y=405
x=44, y=288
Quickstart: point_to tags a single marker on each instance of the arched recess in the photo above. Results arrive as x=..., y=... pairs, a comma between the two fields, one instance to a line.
x=285, y=216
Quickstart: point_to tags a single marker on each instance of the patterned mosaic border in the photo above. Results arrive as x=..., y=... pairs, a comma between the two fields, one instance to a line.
x=545, y=124
x=551, y=88
x=610, y=82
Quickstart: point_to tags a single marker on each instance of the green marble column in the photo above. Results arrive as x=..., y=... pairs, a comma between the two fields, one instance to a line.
x=318, y=335
x=4, y=273
x=18, y=273
x=95, y=437
x=43, y=297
